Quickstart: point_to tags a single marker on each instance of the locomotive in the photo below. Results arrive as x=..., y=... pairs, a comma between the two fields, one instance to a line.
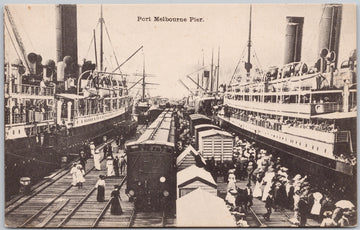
x=151, y=172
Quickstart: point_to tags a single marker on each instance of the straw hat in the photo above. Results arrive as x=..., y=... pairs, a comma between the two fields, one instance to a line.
x=297, y=177
x=284, y=169
x=327, y=213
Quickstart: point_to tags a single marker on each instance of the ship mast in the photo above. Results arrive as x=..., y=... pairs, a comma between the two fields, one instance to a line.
x=143, y=82
x=248, y=64
x=101, y=20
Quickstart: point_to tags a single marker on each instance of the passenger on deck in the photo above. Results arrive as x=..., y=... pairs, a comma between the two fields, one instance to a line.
x=257, y=189
x=115, y=202
x=73, y=174
x=92, y=148
x=122, y=164
x=267, y=180
x=116, y=166
x=97, y=157
x=80, y=176
x=231, y=190
x=110, y=151
x=100, y=185
x=328, y=221
x=82, y=157
x=110, y=167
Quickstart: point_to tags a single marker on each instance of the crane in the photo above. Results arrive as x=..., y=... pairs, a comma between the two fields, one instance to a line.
x=183, y=84
x=17, y=37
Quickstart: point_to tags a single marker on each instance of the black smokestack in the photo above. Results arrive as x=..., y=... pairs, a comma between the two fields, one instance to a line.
x=293, y=39
x=329, y=31
x=66, y=32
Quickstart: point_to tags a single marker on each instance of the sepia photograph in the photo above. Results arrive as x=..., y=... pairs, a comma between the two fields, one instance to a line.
x=180, y=115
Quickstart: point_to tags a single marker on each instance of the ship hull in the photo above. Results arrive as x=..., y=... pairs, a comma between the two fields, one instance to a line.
x=25, y=156
x=303, y=160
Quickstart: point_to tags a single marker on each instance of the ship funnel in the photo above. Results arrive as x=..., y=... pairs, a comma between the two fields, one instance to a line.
x=329, y=33
x=66, y=32
x=293, y=39
x=33, y=62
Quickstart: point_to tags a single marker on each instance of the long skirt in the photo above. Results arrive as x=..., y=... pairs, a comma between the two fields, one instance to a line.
x=257, y=190
x=115, y=206
x=266, y=191
x=101, y=193
x=74, y=179
x=116, y=169
x=97, y=161
x=110, y=170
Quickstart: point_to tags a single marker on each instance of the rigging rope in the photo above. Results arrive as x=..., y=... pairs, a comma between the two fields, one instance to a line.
x=92, y=40
x=12, y=41
x=237, y=66
x=112, y=47
x=23, y=28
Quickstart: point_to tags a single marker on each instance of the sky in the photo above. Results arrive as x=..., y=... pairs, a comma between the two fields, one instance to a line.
x=173, y=50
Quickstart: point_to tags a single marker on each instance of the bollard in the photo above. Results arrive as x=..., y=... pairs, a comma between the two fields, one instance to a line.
x=25, y=185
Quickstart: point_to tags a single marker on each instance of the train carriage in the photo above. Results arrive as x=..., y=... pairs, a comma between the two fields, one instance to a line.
x=151, y=166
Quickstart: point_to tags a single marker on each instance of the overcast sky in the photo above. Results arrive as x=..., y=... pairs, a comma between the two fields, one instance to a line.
x=174, y=49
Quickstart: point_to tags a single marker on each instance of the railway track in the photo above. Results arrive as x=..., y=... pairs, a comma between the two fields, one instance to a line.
x=45, y=199
x=146, y=219
x=55, y=177
x=255, y=220
x=56, y=203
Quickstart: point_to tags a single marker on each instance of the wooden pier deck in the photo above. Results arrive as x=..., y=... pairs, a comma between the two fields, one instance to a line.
x=55, y=203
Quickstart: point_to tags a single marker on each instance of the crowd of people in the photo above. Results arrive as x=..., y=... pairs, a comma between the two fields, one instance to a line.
x=115, y=167
x=277, y=124
x=32, y=110
x=278, y=188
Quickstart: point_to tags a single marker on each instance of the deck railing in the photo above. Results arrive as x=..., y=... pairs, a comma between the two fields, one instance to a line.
x=295, y=108
x=29, y=90
x=29, y=117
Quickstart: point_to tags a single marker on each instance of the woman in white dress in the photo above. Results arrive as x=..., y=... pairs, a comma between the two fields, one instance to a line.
x=92, y=148
x=97, y=157
x=257, y=189
x=315, y=210
x=73, y=174
x=231, y=190
x=269, y=175
x=80, y=176
x=110, y=167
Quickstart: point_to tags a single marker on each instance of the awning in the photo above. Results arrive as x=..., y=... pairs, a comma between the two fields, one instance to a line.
x=336, y=115
x=202, y=209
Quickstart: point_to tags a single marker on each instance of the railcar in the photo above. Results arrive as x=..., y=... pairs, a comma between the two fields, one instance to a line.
x=151, y=173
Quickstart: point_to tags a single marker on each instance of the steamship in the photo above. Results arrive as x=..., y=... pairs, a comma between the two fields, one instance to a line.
x=309, y=113
x=52, y=109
